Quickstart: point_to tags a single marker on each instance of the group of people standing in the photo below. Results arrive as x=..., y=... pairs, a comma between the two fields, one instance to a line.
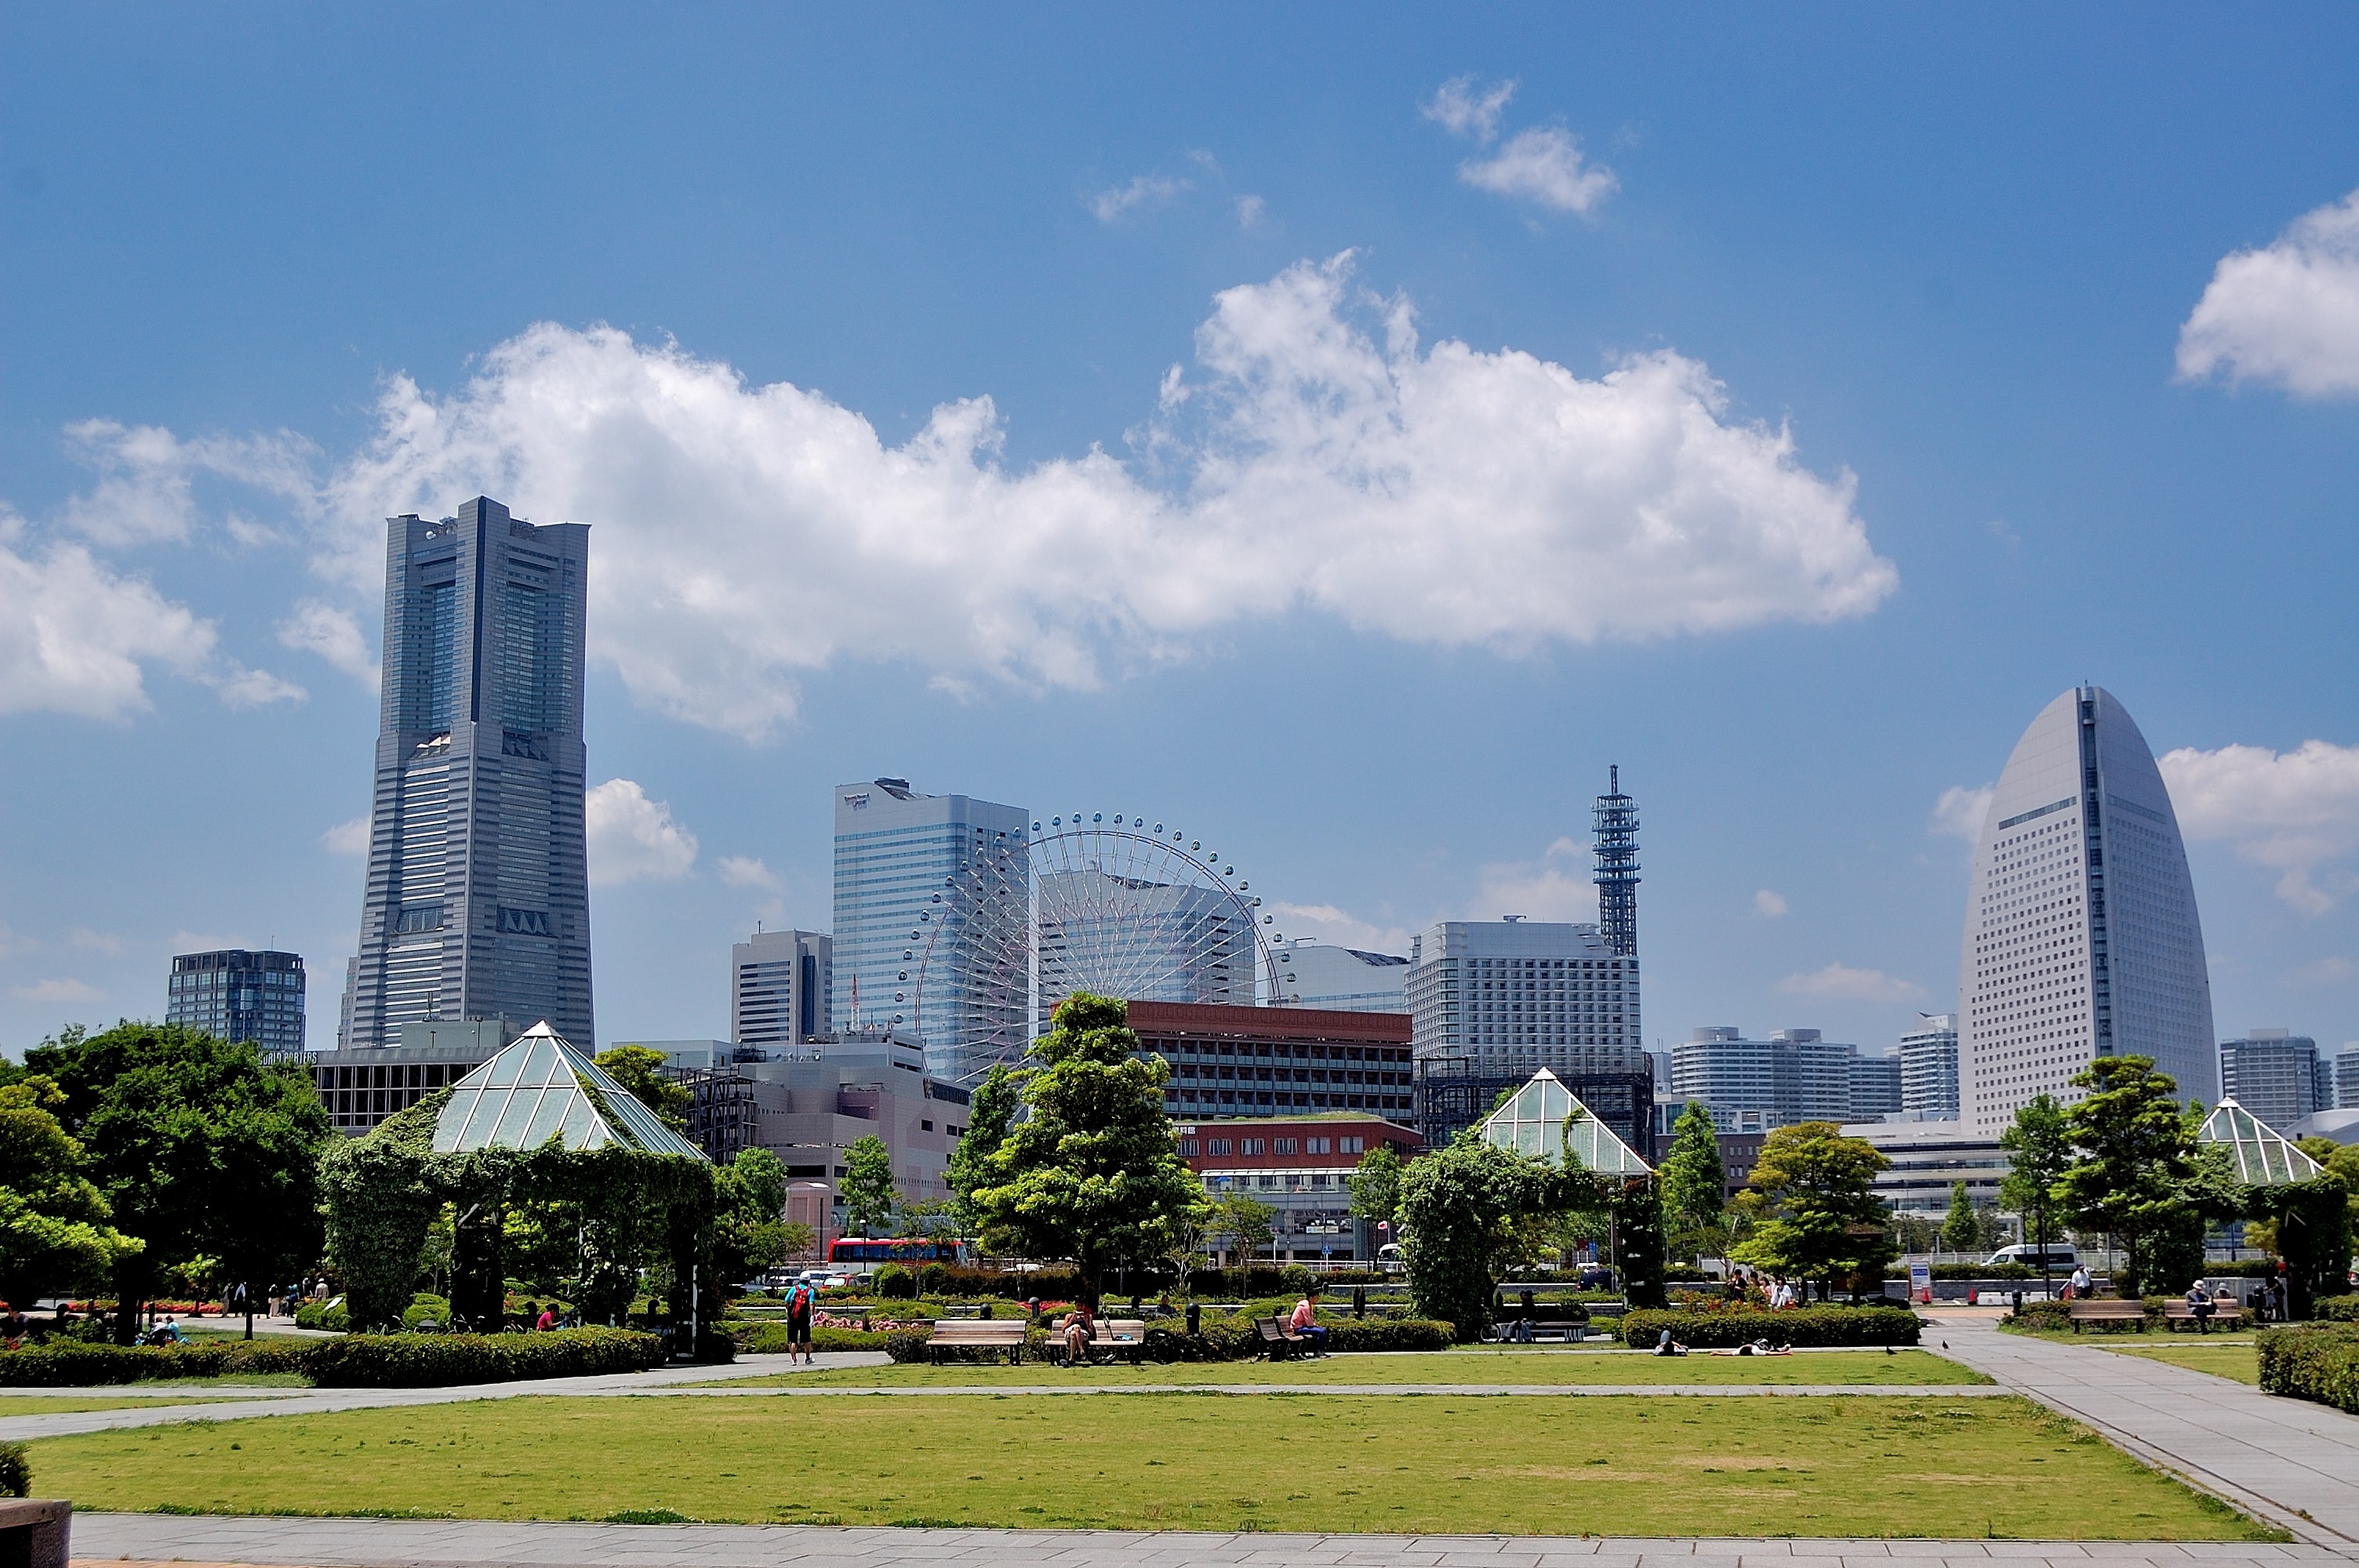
x=1775, y=1291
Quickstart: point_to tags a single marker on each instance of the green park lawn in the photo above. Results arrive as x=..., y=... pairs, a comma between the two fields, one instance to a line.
x=2239, y=1358
x=1624, y=1465
x=1907, y=1368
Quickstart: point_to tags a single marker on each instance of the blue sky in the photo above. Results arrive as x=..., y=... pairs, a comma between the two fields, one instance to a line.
x=1783, y=406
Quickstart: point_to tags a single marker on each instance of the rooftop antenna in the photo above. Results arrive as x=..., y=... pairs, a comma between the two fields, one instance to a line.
x=1614, y=823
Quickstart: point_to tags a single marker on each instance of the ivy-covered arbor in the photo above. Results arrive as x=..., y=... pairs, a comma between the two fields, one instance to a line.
x=538, y=1140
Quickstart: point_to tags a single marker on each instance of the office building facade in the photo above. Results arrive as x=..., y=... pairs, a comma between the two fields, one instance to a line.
x=362, y=1086
x=1339, y=980
x=896, y=853
x=240, y=995
x=477, y=905
x=1142, y=940
x=1300, y=1166
x=1929, y=1068
x=2273, y=1074
x=2341, y=1071
x=1877, y=1092
x=1795, y=1074
x=2082, y=938
x=1264, y=1061
x=1513, y=996
x=780, y=983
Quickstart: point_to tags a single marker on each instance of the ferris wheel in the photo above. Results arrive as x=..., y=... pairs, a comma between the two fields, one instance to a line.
x=1117, y=907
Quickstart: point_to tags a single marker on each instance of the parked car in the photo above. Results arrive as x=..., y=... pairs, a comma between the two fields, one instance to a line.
x=2062, y=1258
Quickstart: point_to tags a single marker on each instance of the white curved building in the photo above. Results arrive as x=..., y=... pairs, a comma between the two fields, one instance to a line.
x=2081, y=938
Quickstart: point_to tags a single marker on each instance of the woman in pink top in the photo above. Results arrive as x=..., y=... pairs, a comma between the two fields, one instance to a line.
x=1305, y=1321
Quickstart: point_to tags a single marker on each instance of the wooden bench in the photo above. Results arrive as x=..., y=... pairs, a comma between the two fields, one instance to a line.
x=978, y=1334
x=1279, y=1341
x=2113, y=1313
x=2226, y=1315
x=33, y=1531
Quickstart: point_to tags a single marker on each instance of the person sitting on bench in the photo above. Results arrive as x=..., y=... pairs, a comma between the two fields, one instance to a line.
x=1080, y=1328
x=2200, y=1307
x=1305, y=1321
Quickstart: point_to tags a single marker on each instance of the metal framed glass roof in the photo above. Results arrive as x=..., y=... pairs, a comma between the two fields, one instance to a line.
x=541, y=1087
x=2264, y=1157
x=1535, y=1123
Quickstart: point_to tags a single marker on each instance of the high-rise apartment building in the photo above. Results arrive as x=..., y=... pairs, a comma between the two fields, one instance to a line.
x=1929, y=1068
x=2081, y=938
x=1795, y=1074
x=240, y=996
x=2342, y=1072
x=1513, y=996
x=477, y=905
x=779, y=982
x=896, y=853
x=1339, y=980
x=2273, y=1073
x=1875, y=1087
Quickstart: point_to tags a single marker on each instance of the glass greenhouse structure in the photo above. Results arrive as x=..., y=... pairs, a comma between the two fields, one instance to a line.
x=1545, y=1120
x=2263, y=1156
x=541, y=1087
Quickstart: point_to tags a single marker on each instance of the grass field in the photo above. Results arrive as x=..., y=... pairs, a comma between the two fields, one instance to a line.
x=1904, y=1368
x=1833, y=1466
x=2222, y=1358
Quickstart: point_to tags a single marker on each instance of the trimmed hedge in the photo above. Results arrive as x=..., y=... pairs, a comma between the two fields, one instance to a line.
x=434, y=1360
x=1221, y=1339
x=2336, y=1309
x=70, y=1364
x=2316, y=1361
x=1811, y=1325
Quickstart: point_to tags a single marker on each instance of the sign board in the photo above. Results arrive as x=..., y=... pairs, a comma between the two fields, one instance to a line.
x=1920, y=1283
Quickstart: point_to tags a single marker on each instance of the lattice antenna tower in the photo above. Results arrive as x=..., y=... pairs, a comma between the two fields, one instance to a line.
x=1615, y=823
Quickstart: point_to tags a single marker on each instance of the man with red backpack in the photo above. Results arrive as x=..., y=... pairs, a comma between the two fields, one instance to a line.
x=799, y=1322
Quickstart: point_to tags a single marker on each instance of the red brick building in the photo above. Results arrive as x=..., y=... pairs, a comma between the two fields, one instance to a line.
x=1278, y=1061
x=1302, y=1166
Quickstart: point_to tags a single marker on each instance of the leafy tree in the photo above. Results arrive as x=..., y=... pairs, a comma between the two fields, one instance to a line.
x=202, y=1148
x=1695, y=1185
x=1248, y=1223
x=750, y=1230
x=1639, y=1242
x=2311, y=1221
x=2137, y=1163
x=1961, y=1229
x=53, y=1229
x=1821, y=1218
x=1458, y=1208
x=989, y=1114
x=1375, y=1185
x=2039, y=1145
x=1092, y=1173
x=640, y=1070
x=866, y=1187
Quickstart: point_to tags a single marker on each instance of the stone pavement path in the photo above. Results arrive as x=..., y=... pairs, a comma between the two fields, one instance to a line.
x=2288, y=1461
x=435, y=1543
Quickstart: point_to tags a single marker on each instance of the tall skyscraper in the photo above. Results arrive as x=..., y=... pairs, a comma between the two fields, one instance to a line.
x=894, y=852
x=478, y=900
x=1929, y=1068
x=2081, y=938
x=240, y=995
x=779, y=986
x=2273, y=1073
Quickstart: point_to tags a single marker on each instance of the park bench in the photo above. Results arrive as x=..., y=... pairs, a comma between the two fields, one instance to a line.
x=978, y=1334
x=1111, y=1338
x=36, y=1531
x=1278, y=1340
x=2105, y=1312
x=2225, y=1315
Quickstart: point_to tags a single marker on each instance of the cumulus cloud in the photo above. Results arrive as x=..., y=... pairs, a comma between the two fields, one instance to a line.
x=633, y=839
x=1463, y=109
x=746, y=871
x=1557, y=886
x=1542, y=165
x=1143, y=191
x=76, y=636
x=145, y=493
x=347, y=837
x=1959, y=813
x=1321, y=457
x=1844, y=983
x=57, y=990
x=1772, y=904
x=2296, y=813
x=334, y=635
x=2286, y=314
x=1249, y=210
x=1337, y=928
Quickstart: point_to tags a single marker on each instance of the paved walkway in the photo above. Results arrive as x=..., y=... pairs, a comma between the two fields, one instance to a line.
x=2288, y=1461
x=434, y=1543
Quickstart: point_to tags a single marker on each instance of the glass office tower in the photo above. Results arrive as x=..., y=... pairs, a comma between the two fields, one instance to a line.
x=240, y=995
x=477, y=902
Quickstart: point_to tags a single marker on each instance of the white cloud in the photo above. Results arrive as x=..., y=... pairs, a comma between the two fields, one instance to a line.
x=1143, y=191
x=2332, y=969
x=746, y=871
x=1462, y=109
x=89, y=941
x=1555, y=887
x=1772, y=904
x=75, y=637
x=2286, y=314
x=146, y=477
x=1249, y=210
x=633, y=839
x=57, y=990
x=347, y=837
x=1323, y=458
x=1337, y=928
x=1841, y=982
x=1959, y=813
x=334, y=635
x=1542, y=165
x=2295, y=812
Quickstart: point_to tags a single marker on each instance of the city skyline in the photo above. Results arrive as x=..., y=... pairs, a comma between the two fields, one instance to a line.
x=1023, y=443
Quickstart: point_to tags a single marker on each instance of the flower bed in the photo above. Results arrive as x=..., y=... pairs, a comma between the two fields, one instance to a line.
x=2313, y=1361
x=1810, y=1325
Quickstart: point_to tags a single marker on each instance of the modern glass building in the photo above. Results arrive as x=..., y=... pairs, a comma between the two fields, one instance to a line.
x=1929, y=1068
x=895, y=852
x=2273, y=1074
x=477, y=905
x=1151, y=942
x=541, y=1087
x=779, y=982
x=1875, y=1087
x=1341, y=979
x=2081, y=938
x=1514, y=996
x=240, y=995
x=1546, y=1121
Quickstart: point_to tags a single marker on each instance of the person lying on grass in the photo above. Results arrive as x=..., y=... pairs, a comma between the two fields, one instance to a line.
x=1756, y=1348
x=1667, y=1345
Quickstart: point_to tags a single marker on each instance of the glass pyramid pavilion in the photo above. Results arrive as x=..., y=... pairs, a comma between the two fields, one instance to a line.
x=1534, y=1123
x=2264, y=1157
x=541, y=1087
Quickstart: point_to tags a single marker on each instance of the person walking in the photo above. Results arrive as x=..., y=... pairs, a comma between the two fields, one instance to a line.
x=2078, y=1287
x=799, y=1323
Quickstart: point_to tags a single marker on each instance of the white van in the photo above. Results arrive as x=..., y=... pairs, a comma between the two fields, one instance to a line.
x=2062, y=1256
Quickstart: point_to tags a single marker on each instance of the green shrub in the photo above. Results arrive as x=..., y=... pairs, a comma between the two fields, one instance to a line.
x=424, y=1309
x=1811, y=1325
x=931, y=1277
x=2315, y=1361
x=15, y=1471
x=328, y=1316
x=907, y=1344
x=2336, y=1309
x=2042, y=1315
x=1390, y=1333
x=419, y=1361
x=895, y=1283
x=770, y=1339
